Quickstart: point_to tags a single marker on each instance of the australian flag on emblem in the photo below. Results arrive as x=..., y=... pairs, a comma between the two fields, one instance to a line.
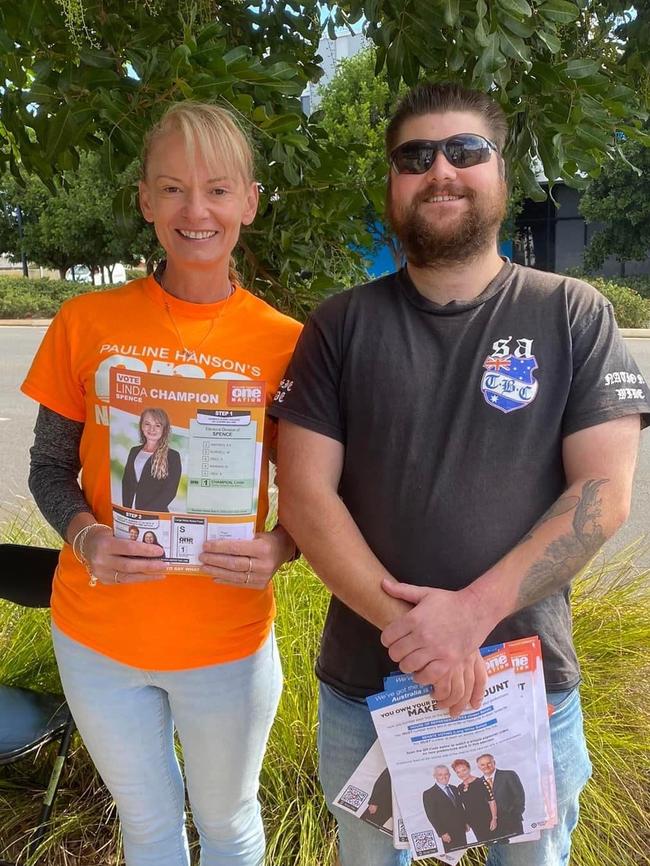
x=508, y=382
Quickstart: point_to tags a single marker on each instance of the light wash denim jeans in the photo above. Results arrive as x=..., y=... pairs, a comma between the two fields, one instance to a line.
x=223, y=714
x=346, y=732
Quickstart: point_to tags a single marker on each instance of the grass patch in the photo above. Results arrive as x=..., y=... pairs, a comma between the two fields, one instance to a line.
x=612, y=631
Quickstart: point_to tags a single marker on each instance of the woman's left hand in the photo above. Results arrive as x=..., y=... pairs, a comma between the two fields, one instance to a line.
x=248, y=564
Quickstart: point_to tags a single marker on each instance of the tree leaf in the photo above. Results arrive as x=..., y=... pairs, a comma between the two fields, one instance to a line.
x=394, y=60
x=529, y=182
x=41, y=94
x=451, y=11
x=581, y=68
x=516, y=7
x=96, y=78
x=277, y=152
x=559, y=10
x=290, y=173
x=515, y=48
x=594, y=137
x=410, y=68
x=550, y=155
x=481, y=34
x=185, y=88
x=371, y=9
x=108, y=158
x=212, y=31
x=547, y=76
x=525, y=28
x=550, y=40
x=7, y=44
x=281, y=123
x=492, y=58
x=457, y=59
x=124, y=208
x=242, y=52
x=64, y=128
x=98, y=59
x=180, y=58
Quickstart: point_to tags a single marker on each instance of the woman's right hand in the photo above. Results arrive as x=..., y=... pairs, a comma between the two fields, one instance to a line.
x=111, y=561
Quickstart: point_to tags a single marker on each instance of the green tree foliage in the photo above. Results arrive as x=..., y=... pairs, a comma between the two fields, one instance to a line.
x=92, y=75
x=72, y=225
x=620, y=200
x=634, y=31
x=355, y=106
x=32, y=200
x=566, y=93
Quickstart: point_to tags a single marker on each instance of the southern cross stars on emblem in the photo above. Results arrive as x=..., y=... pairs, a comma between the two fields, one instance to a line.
x=508, y=382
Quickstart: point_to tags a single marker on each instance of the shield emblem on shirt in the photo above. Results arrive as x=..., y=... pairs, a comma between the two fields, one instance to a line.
x=508, y=382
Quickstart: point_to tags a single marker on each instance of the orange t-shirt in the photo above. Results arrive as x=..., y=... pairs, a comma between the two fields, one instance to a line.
x=185, y=620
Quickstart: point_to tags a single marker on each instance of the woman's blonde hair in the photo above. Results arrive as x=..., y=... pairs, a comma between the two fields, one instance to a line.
x=159, y=465
x=212, y=131
x=208, y=129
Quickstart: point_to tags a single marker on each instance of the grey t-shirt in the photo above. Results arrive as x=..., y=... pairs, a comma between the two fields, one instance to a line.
x=452, y=419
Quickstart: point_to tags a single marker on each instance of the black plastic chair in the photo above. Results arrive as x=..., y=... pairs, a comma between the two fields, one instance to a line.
x=29, y=720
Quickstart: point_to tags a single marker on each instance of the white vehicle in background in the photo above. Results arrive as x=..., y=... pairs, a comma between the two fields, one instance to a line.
x=81, y=274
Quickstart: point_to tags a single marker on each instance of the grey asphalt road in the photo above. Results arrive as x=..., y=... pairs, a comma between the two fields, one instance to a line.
x=17, y=415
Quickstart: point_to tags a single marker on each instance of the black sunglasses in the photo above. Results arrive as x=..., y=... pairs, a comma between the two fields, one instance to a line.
x=461, y=151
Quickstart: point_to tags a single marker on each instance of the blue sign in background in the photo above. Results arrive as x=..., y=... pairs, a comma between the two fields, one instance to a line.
x=381, y=261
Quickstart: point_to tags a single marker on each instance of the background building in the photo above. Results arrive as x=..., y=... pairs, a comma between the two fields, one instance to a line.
x=332, y=51
x=554, y=238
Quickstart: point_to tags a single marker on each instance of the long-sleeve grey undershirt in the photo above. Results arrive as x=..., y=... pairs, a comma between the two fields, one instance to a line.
x=55, y=465
x=54, y=469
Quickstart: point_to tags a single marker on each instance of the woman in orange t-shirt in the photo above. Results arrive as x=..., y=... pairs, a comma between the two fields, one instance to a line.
x=142, y=653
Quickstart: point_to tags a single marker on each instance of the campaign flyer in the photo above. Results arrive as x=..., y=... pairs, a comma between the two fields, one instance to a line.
x=185, y=461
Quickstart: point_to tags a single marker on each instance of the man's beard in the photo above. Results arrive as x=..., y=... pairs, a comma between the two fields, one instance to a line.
x=431, y=243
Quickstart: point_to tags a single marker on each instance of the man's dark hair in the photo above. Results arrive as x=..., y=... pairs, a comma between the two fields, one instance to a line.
x=435, y=98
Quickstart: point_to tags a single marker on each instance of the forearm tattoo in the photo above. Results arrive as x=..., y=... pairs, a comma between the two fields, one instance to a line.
x=566, y=555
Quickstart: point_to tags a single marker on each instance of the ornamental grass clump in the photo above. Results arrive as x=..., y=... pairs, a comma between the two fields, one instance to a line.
x=611, y=605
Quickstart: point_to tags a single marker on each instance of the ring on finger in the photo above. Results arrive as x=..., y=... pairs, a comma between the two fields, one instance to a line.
x=250, y=569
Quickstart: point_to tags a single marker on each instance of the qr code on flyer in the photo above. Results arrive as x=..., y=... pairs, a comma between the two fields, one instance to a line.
x=353, y=798
x=424, y=843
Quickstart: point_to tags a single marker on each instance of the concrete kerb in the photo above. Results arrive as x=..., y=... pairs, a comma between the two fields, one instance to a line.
x=24, y=323
x=636, y=333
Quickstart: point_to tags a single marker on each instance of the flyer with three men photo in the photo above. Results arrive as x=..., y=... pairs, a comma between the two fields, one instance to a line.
x=442, y=785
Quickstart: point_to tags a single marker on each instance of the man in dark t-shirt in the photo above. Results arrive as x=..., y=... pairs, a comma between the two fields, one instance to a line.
x=457, y=440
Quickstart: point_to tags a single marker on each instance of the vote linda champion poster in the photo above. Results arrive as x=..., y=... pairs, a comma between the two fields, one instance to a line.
x=185, y=461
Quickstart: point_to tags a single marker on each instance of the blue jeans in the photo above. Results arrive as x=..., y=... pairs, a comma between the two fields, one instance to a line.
x=346, y=732
x=223, y=715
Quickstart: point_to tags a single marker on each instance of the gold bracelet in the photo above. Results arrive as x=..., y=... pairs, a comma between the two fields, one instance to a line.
x=79, y=539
